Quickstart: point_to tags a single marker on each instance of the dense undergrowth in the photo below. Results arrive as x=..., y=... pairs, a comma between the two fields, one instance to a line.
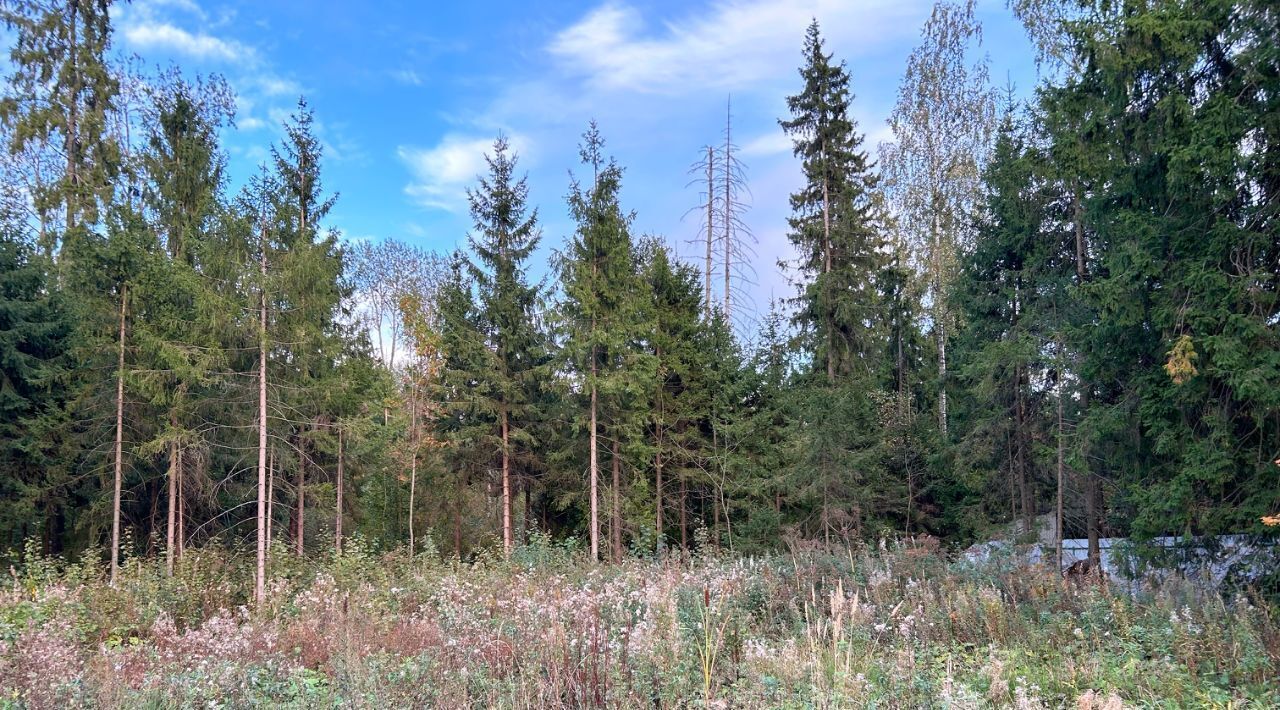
x=901, y=626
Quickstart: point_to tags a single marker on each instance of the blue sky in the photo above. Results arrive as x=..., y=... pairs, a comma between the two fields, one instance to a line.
x=409, y=95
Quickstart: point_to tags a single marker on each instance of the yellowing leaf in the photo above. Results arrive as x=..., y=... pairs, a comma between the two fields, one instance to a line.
x=1181, y=364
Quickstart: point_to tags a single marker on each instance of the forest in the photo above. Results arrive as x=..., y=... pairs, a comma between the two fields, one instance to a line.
x=1059, y=309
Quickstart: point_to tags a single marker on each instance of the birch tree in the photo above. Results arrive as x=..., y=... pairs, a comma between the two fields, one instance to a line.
x=942, y=128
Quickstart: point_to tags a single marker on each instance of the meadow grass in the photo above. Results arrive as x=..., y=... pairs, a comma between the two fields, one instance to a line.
x=900, y=625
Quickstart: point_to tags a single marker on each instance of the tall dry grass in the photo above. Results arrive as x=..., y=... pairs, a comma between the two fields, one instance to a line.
x=897, y=627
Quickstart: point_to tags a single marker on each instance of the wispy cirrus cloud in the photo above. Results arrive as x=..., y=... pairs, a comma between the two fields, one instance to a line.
x=732, y=44
x=774, y=142
x=407, y=76
x=441, y=173
x=271, y=85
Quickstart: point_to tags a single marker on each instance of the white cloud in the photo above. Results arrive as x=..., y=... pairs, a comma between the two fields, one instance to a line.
x=278, y=86
x=734, y=44
x=160, y=25
x=772, y=143
x=407, y=76
x=162, y=35
x=442, y=174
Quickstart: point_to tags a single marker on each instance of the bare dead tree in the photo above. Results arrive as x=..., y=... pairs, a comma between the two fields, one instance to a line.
x=724, y=237
x=707, y=208
x=737, y=241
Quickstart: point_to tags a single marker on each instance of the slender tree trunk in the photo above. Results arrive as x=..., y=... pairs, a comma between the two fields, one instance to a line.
x=728, y=211
x=119, y=442
x=942, y=370
x=337, y=513
x=1020, y=449
x=303, y=196
x=939, y=309
x=413, y=492
x=71, y=140
x=1061, y=467
x=684, y=517
x=902, y=376
x=595, y=465
x=1081, y=258
x=175, y=462
x=1092, y=517
x=728, y=522
x=526, y=524
x=507, y=537
x=182, y=506
x=615, y=527
x=298, y=541
x=271, y=494
x=911, y=486
x=657, y=485
x=715, y=518
x=826, y=286
x=259, y=590
x=413, y=462
x=1091, y=508
x=711, y=201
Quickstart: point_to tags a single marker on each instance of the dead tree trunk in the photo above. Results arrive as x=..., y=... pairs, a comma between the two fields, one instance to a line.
x=727, y=169
x=711, y=186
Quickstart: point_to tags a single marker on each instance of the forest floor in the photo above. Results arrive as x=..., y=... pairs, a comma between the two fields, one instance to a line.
x=902, y=627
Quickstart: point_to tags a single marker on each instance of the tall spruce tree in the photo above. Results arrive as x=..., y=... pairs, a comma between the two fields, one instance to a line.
x=834, y=226
x=183, y=329
x=602, y=317
x=309, y=300
x=833, y=222
x=505, y=235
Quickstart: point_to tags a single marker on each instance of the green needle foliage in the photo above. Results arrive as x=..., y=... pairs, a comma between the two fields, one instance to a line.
x=1071, y=311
